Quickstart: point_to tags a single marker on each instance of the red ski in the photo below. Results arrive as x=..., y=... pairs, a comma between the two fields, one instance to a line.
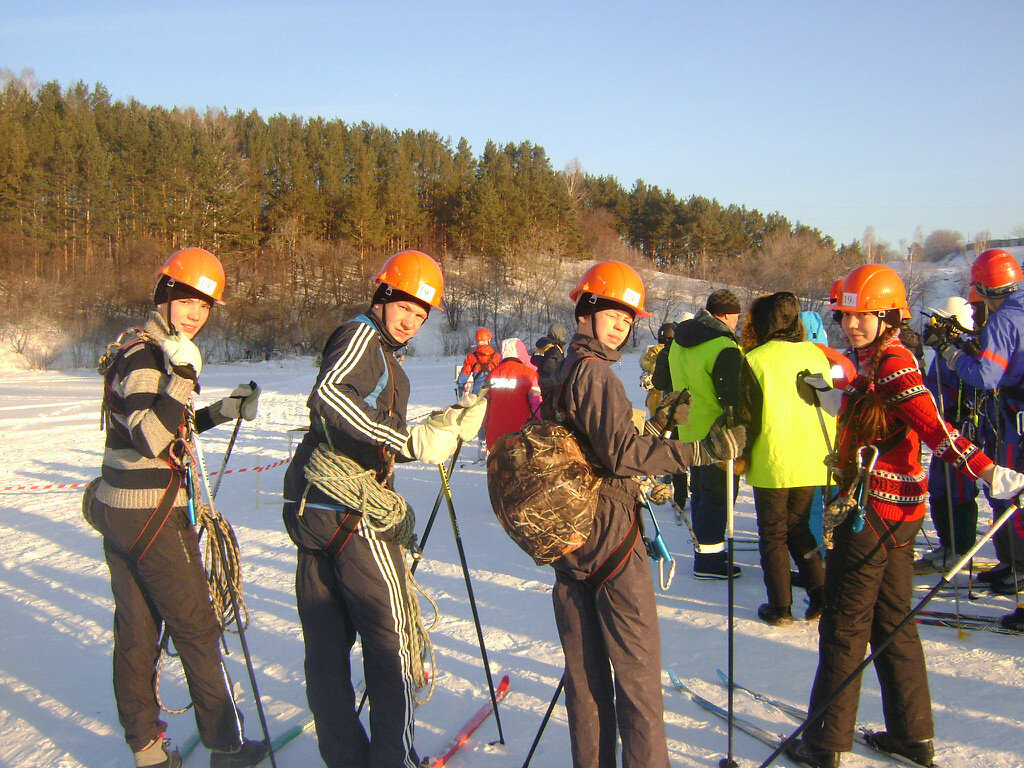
x=459, y=740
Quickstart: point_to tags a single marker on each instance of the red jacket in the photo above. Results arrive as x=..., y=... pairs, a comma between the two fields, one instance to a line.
x=899, y=485
x=513, y=385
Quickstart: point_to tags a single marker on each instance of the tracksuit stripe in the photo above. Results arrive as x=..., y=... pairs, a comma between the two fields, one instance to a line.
x=399, y=610
x=341, y=403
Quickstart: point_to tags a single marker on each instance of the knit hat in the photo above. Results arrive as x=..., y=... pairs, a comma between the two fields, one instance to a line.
x=723, y=302
x=589, y=304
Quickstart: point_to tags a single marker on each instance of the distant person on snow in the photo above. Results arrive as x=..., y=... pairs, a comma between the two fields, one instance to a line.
x=705, y=359
x=478, y=364
x=786, y=460
x=603, y=596
x=647, y=363
x=351, y=576
x=512, y=391
x=548, y=355
x=141, y=508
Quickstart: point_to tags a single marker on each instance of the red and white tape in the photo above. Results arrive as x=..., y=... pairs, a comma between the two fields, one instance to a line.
x=71, y=486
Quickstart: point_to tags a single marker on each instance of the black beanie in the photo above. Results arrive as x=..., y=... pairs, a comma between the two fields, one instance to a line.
x=385, y=294
x=589, y=303
x=723, y=302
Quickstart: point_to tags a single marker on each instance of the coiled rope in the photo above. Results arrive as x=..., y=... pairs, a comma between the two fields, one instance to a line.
x=223, y=565
x=383, y=511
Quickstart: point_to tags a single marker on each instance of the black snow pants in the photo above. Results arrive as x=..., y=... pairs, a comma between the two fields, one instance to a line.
x=166, y=585
x=783, y=516
x=360, y=591
x=869, y=586
x=611, y=630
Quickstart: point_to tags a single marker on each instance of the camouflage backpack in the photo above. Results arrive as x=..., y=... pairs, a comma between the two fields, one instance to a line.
x=543, y=488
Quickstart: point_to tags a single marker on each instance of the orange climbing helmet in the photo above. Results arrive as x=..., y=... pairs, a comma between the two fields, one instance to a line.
x=615, y=281
x=195, y=267
x=483, y=336
x=414, y=273
x=873, y=288
x=996, y=273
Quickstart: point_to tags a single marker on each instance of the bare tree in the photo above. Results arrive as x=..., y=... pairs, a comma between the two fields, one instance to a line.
x=941, y=243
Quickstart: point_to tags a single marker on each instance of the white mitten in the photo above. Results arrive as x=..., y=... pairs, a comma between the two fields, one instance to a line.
x=468, y=415
x=1005, y=483
x=181, y=351
x=433, y=441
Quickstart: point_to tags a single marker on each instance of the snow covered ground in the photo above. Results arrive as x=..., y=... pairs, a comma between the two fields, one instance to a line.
x=56, y=703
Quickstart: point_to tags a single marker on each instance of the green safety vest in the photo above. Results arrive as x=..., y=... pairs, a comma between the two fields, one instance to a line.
x=790, y=450
x=690, y=368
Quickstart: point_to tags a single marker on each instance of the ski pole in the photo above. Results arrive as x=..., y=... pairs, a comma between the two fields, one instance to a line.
x=231, y=444
x=544, y=722
x=951, y=535
x=235, y=600
x=730, y=514
x=469, y=591
x=876, y=649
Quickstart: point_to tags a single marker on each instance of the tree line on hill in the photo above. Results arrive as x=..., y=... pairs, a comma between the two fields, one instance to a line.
x=96, y=192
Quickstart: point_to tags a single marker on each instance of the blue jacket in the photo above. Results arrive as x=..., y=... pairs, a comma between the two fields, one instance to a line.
x=1001, y=362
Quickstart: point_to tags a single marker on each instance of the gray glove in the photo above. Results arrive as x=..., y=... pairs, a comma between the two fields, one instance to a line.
x=720, y=444
x=243, y=400
x=181, y=352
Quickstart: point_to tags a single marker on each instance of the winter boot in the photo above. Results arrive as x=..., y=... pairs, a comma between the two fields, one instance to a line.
x=713, y=566
x=776, y=616
x=996, y=573
x=920, y=752
x=157, y=755
x=1011, y=584
x=250, y=753
x=816, y=604
x=805, y=754
x=1014, y=621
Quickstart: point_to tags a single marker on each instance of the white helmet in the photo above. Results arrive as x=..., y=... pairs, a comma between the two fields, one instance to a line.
x=959, y=309
x=684, y=316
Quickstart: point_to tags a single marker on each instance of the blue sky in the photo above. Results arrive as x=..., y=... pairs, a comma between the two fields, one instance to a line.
x=842, y=115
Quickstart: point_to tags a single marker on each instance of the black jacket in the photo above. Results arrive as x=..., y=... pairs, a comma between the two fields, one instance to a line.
x=357, y=405
x=597, y=409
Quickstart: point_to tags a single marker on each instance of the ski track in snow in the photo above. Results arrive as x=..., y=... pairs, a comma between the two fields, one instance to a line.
x=56, y=703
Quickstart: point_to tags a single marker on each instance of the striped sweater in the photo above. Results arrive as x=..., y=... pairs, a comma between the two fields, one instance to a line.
x=146, y=407
x=899, y=485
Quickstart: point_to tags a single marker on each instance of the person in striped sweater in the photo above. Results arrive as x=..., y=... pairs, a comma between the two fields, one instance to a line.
x=140, y=506
x=868, y=585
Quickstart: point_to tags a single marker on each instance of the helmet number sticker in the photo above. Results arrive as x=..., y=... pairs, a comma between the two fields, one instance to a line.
x=631, y=297
x=426, y=292
x=206, y=285
x=850, y=299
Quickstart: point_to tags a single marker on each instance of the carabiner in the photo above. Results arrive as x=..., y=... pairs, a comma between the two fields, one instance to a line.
x=865, y=479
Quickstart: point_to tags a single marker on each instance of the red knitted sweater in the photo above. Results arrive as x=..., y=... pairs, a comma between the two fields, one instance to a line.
x=899, y=485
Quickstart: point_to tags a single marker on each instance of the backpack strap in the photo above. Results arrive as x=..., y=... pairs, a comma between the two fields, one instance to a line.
x=618, y=556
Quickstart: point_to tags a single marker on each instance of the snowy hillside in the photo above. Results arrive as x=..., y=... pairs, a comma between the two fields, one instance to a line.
x=56, y=704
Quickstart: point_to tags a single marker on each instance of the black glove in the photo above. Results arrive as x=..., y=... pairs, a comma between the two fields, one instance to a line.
x=934, y=336
x=721, y=443
x=673, y=410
